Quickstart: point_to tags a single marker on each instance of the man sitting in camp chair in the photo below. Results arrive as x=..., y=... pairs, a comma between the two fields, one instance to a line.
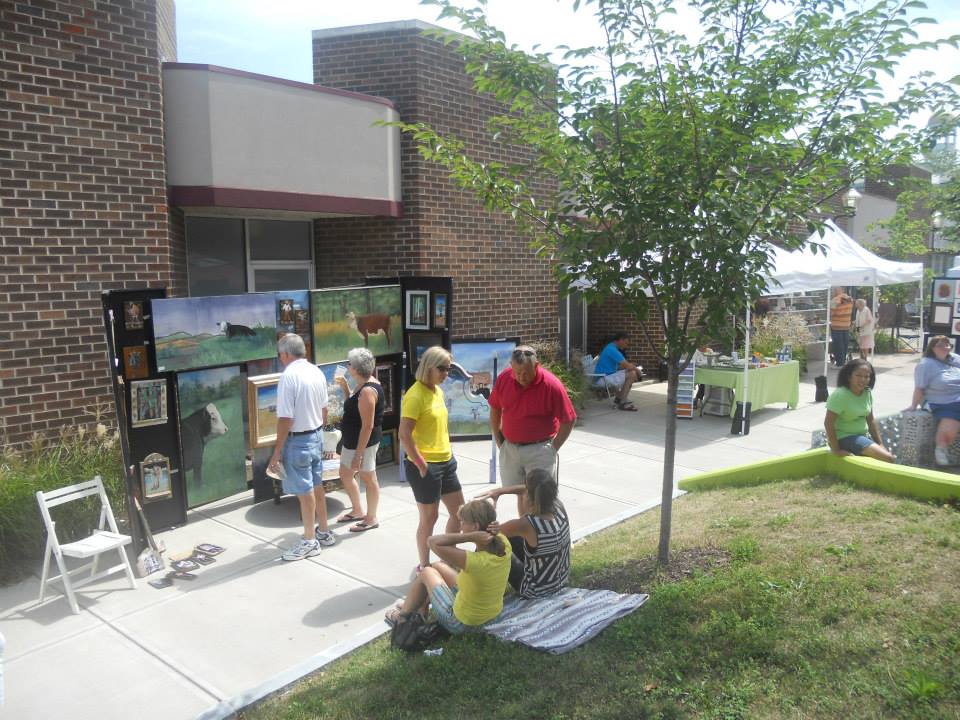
x=617, y=371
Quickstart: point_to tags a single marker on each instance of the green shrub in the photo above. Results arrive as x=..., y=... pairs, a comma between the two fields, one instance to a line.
x=76, y=456
x=570, y=375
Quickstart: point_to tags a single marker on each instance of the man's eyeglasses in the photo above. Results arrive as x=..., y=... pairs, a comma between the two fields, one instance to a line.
x=519, y=355
x=443, y=368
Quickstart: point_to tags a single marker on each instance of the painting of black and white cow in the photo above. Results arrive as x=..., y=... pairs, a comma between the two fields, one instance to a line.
x=235, y=331
x=196, y=431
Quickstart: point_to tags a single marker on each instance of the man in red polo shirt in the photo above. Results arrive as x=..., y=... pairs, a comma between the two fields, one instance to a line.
x=531, y=416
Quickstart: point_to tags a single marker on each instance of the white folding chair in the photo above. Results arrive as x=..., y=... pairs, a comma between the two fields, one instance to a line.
x=596, y=381
x=100, y=541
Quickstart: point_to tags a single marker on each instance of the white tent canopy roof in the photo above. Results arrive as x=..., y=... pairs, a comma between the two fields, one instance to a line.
x=845, y=262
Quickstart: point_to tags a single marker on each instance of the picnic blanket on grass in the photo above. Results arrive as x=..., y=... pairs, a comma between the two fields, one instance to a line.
x=561, y=622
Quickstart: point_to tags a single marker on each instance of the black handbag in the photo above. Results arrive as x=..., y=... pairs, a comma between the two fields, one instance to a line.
x=415, y=633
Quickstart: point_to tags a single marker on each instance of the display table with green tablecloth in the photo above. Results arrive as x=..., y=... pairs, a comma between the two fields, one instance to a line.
x=774, y=383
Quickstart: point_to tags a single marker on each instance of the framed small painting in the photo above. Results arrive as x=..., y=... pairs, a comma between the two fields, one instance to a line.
x=262, y=409
x=417, y=344
x=148, y=403
x=957, y=289
x=385, y=376
x=343, y=318
x=135, y=362
x=387, y=452
x=133, y=315
x=418, y=309
x=944, y=290
x=956, y=327
x=440, y=311
x=941, y=315
x=956, y=308
x=155, y=477
x=468, y=412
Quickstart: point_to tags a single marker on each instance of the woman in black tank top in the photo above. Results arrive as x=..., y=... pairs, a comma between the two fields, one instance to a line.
x=362, y=429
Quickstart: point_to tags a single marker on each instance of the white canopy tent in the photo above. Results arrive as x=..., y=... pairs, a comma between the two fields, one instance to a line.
x=841, y=261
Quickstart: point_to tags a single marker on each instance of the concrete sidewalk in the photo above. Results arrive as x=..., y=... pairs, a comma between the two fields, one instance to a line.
x=251, y=623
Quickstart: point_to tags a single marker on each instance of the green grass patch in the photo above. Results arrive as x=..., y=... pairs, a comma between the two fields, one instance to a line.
x=73, y=458
x=780, y=603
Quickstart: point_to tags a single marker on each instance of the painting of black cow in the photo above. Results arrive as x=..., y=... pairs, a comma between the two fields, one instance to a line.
x=198, y=332
x=211, y=433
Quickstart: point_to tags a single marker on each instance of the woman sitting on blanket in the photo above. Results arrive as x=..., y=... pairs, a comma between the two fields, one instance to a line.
x=465, y=587
x=540, y=537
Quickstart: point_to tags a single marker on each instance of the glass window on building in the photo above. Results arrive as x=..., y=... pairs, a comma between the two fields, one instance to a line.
x=229, y=256
x=216, y=260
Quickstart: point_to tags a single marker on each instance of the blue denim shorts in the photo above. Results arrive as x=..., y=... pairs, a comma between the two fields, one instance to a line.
x=855, y=444
x=302, y=463
x=949, y=411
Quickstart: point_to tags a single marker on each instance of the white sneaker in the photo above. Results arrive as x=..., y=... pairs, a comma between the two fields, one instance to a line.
x=941, y=456
x=325, y=537
x=304, y=549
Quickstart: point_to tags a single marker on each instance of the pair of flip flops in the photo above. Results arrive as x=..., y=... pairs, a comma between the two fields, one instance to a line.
x=360, y=526
x=627, y=406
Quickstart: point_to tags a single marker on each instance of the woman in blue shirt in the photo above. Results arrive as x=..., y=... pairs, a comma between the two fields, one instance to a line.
x=937, y=380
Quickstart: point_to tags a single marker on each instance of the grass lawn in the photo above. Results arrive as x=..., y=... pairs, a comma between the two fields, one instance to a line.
x=801, y=599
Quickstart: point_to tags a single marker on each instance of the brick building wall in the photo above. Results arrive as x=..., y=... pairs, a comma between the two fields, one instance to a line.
x=500, y=286
x=83, y=197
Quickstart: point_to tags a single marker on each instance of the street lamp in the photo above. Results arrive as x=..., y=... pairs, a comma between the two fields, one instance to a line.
x=936, y=220
x=850, y=200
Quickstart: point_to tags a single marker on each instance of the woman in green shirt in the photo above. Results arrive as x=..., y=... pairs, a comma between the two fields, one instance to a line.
x=850, y=414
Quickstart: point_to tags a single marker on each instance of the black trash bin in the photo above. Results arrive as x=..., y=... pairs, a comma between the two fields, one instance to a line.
x=822, y=392
x=741, y=419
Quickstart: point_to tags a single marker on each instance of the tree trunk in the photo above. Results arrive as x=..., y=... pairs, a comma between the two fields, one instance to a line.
x=669, y=453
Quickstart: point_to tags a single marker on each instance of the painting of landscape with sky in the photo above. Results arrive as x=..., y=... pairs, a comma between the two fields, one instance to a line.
x=206, y=331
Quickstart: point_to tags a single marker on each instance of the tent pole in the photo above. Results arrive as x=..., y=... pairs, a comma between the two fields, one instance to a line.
x=920, y=311
x=826, y=336
x=876, y=307
x=568, y=329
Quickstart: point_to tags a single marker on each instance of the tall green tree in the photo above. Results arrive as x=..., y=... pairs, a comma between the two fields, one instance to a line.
x=679, y=156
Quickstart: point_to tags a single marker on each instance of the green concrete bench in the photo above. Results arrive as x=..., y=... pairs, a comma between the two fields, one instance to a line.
x=920, y=483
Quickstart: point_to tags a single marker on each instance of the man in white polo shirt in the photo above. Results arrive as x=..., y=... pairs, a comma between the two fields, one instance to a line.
x=301, y=415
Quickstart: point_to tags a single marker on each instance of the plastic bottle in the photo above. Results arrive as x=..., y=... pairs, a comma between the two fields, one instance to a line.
x=434, y=652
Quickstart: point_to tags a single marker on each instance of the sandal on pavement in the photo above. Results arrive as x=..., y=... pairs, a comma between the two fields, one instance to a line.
x=363, y=526
x=393, y=616
x=628, y=406
x=349, y=517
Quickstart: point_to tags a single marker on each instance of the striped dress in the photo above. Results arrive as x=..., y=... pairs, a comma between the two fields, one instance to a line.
x=546, y=567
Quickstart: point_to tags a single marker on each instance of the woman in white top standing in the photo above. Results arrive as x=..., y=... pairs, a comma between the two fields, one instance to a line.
x=865, y=325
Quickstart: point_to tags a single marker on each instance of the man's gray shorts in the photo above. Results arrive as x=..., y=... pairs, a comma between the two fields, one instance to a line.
x=517, y=460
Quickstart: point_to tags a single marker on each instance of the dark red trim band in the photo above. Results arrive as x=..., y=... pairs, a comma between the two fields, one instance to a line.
x=279, y=81
x=206, y=196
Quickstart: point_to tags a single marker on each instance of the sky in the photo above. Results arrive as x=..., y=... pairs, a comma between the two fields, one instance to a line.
x=273, y=37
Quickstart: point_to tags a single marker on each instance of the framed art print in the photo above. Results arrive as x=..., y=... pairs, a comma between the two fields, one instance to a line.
x=198, y=332
x=385, y=376
x=956, y=327
x=468, y=411
x=262, y=409
x=135, y=362
x=345, y=318
x=417, y=344
x=440, y=311
x=941, y=315
x=133, y=315
x=956, y=308
x=387, y=452
x=213, y=441
x=943, y=290
x=148, y=403
x=418, y=309
x=155, y=477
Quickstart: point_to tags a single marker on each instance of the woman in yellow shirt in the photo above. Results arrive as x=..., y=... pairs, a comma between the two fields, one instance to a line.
x=431, y=468
x=466, y=587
